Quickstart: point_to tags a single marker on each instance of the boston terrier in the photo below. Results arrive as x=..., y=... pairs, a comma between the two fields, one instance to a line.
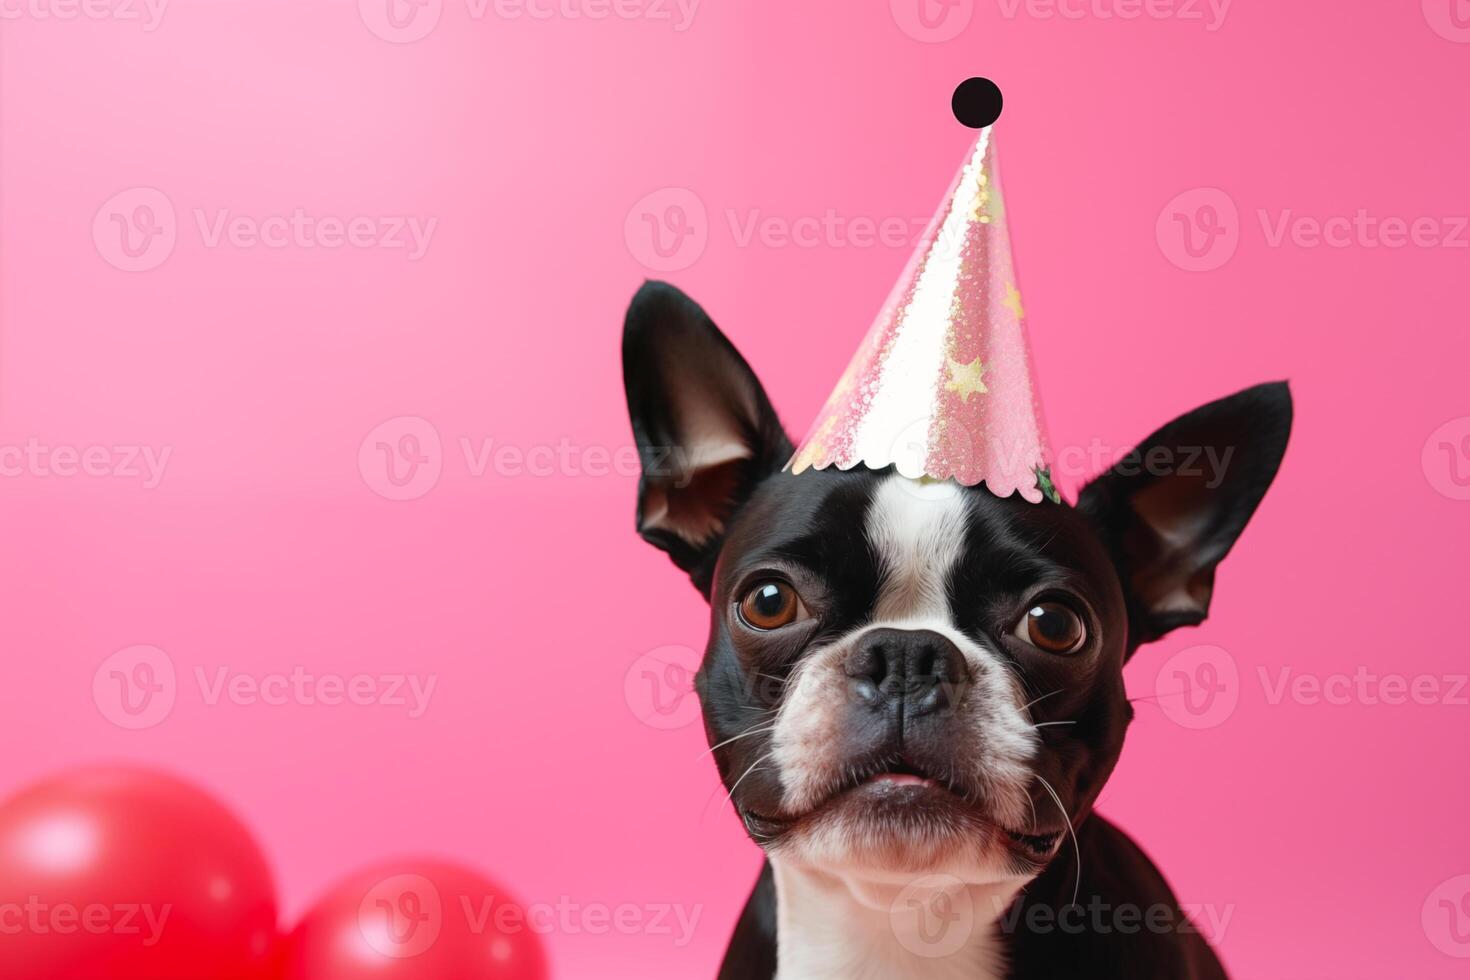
x=914, y=689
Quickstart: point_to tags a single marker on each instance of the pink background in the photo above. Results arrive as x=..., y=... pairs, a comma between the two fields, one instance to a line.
x=1322, y=828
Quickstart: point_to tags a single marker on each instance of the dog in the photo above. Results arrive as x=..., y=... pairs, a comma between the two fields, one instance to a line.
x=914, y=689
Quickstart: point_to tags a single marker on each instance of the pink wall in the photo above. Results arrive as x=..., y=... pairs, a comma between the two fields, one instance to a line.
x=521, y=146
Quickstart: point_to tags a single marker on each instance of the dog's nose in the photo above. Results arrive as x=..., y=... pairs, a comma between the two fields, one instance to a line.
x=920, y=670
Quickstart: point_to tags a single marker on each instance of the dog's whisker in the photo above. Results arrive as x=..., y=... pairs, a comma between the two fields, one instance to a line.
x=754, y=731
x=704, y=810
x=1076, y=847
x=1054, y=535
x=754, y=767
x=781, y=682
x=756, y=836
x=1044, y=724
x=1028, y=704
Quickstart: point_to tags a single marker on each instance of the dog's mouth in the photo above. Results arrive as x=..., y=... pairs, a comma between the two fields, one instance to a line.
x=905, y=798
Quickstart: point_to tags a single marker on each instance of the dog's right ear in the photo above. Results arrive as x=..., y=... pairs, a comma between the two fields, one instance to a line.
x=706, y=433
x=1172, y=509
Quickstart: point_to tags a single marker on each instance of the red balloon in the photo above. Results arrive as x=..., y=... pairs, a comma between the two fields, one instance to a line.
x=416, y=920
x=130, y=875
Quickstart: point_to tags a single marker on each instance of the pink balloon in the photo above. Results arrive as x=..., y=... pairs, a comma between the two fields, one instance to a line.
x=415, y=920
x=130, y=875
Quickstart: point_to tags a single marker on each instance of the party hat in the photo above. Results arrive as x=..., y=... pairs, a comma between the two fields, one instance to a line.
x=941, y=388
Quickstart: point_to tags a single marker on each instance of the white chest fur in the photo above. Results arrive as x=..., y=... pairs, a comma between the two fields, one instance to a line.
x=838, y=926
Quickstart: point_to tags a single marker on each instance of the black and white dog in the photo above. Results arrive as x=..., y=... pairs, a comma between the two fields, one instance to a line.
x=914, y=689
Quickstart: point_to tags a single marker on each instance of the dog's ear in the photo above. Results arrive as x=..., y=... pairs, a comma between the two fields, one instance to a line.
x=706, y=432
x=1173, y=507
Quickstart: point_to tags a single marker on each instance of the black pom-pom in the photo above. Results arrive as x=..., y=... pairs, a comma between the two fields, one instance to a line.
x=977, y=102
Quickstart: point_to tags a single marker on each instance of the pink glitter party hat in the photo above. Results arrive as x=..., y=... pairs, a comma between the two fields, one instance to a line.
x=941, y=388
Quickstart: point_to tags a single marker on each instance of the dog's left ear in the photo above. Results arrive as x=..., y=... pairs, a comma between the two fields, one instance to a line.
x=706, y=432
x=1172, y=509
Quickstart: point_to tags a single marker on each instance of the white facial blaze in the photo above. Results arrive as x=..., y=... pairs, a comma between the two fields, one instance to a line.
x=917, y=529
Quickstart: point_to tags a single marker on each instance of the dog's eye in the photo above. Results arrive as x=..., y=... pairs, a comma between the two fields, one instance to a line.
x=770, y=605
x=1053, y=627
